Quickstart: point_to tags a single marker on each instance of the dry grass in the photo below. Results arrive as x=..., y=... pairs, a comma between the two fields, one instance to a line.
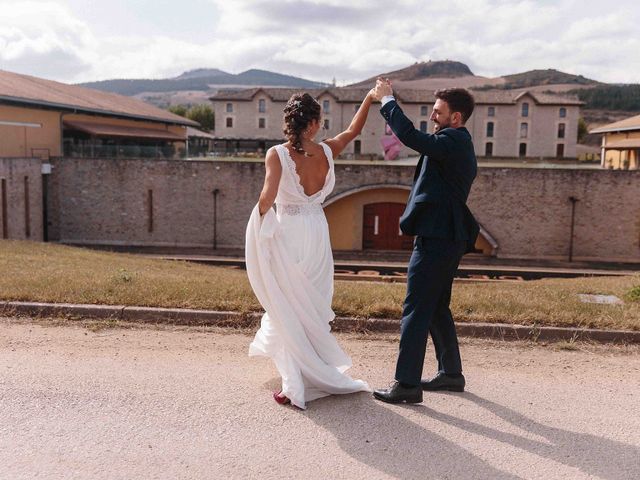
x=56, y=273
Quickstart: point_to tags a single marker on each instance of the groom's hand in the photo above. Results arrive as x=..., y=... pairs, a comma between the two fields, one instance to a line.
x=382, y=89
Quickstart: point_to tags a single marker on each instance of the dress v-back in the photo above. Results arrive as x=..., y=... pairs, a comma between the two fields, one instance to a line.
x=290, y=268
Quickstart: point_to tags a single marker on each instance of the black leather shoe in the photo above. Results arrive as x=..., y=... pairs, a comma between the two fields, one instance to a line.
x=443, y=382
x=396, y=393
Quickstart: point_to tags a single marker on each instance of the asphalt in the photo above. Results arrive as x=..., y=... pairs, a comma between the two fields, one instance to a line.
x=81, y=402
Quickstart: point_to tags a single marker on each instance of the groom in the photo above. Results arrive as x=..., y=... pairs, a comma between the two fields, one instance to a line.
x=445, y=230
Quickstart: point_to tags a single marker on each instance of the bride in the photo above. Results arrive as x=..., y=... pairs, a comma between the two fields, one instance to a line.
x=289, y=258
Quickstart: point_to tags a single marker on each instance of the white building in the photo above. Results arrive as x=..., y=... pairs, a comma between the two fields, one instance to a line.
x=505, y=123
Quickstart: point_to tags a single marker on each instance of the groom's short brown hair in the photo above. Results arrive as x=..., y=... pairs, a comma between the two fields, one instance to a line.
x=458, y=99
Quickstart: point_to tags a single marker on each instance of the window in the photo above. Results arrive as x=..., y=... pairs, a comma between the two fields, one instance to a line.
x=357, y=147
x=525, y=109
x=325, y=106
x=561, y=130
x=424, y=110
x=262, y=123
x=262, y=105
x=491, y=112
x=524, y=130
x=326, y=124
x=522, y=151
x=423, y=127
x=229, y=122
x=229, y=107
x=563, y=112
x=488, y=149
x=489, y=129
x=560, y=150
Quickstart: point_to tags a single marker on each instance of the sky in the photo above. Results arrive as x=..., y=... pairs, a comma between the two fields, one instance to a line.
x=86, y=40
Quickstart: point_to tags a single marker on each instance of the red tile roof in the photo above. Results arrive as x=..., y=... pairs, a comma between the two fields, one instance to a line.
x=28, y=90
x=631, y=123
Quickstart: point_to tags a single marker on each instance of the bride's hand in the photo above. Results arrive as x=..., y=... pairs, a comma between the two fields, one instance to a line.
x=371, y=95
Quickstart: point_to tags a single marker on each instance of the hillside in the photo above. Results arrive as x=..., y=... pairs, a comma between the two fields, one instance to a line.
x=421, y=70
x=202, y=80
x=549, y=76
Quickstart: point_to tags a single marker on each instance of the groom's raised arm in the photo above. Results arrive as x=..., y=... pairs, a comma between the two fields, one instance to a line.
x=429, y=144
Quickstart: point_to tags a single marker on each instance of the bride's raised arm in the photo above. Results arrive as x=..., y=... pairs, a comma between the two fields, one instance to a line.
x=340, y=141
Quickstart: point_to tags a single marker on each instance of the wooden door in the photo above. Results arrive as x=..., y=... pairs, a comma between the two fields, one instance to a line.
x=381, y=227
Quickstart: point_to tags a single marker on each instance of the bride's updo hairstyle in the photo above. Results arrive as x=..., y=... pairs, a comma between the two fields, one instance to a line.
x=299, y=111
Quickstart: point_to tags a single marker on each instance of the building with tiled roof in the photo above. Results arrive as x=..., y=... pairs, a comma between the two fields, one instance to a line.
x=505, y=123
x=620, y=144
x=43, y=118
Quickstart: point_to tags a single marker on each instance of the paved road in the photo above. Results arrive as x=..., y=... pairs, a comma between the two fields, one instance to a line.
x=186, y=403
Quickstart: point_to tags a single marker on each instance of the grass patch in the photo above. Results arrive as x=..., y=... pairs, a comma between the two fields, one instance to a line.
x=45, y=272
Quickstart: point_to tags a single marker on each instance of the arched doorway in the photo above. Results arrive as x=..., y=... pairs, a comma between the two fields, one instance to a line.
x=352, y=225
x=346, y=214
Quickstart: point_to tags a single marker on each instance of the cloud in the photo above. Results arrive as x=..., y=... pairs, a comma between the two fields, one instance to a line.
x=44, y=38
x=323, y=39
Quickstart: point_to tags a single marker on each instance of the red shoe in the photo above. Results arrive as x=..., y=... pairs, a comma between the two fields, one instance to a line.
x=280, y=399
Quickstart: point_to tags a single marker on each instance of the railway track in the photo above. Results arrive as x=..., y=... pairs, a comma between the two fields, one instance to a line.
x=397, y=272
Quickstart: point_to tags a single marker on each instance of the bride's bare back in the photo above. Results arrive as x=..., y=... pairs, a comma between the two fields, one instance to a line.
x=312, y=171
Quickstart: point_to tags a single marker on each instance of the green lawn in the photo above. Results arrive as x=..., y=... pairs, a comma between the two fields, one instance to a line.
x=56, y=273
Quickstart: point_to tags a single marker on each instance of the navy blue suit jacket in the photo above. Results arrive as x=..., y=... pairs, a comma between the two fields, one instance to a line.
x=447, y=167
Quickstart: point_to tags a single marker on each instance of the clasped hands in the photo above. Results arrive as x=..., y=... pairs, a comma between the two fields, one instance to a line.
x=382, y=89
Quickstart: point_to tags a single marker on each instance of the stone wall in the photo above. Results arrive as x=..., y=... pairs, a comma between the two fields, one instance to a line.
x=526, y=210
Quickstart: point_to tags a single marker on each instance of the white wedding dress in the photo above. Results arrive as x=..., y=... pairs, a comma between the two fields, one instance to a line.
x=290, y=267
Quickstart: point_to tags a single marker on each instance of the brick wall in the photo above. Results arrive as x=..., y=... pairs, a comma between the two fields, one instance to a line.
x=526, y=210
x=107, y=201
x=21, y=180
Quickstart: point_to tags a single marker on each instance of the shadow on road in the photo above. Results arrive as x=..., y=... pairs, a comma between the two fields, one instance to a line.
x=375, y=435
x=593, y=455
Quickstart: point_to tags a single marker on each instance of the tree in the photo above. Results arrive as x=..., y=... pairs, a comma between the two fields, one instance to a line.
x=178, y=110
x=582, y=129
x=203, y=114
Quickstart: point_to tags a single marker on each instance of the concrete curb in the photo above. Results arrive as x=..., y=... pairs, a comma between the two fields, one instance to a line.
x=184, y=316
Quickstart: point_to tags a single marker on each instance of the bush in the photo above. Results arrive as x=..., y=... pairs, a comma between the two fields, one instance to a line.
x=634, y=294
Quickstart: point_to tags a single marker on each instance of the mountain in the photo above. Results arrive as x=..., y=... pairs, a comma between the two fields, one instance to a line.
x=439, y=74
x=549, y=76
x=200, y=73
x=205, y=80
x=422, y=70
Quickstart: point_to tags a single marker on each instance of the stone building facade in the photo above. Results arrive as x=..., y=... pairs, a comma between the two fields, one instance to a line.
x=505, y=123
x=526, y=211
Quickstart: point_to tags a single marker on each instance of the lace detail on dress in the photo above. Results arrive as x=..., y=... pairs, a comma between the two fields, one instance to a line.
x=302, y=209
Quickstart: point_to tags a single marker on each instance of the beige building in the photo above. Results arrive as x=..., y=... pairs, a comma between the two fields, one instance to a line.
x=621, y=144
x=505, y=123
x=41, y=118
